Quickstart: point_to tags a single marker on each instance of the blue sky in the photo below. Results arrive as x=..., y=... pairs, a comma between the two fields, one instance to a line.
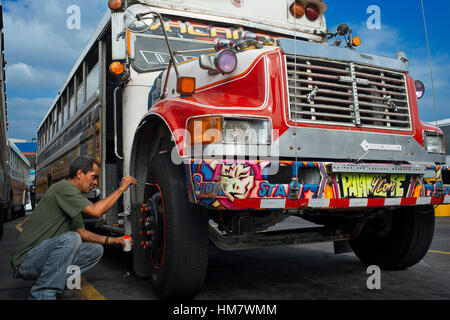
x=41, y=50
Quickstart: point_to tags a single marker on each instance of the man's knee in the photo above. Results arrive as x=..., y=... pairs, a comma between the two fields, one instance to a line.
x=98, y=250
x=72, y=239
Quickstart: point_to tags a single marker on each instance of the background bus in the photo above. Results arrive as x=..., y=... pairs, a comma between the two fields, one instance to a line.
x=4, y=181
x=18, y=168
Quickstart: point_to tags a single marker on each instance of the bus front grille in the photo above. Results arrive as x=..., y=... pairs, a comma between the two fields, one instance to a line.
x=346, y=93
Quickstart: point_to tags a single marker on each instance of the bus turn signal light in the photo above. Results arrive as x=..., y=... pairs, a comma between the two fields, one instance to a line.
x=205, y=130
x=115, y=4
x=186, y=86
x=116, y=68
x=297, y=9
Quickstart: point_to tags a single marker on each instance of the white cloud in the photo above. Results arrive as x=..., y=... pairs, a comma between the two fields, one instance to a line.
x=36, y=32
x=420, y=70
x=24, y=116
x=41, y=50
x=21, y=75
x=387, y=41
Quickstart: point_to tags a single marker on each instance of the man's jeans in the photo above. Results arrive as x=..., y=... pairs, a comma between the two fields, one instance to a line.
x=47, y=263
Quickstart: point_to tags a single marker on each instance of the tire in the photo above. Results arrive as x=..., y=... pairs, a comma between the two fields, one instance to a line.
x=176, y=252
x=403, y=245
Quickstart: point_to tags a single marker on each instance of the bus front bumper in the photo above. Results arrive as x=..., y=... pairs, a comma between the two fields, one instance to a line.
x=294, y=185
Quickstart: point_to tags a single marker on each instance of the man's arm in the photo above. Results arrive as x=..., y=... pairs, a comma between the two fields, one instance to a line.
x=97, y=209
x=88, y=236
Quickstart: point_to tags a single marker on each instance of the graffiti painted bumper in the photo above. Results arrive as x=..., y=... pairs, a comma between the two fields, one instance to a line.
x=278, y=185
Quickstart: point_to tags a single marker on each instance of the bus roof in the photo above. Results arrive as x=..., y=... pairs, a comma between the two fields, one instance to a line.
x=16, y=150
x=269, y=15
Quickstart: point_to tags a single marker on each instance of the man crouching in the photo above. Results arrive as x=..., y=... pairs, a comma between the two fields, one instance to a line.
x=55, y=237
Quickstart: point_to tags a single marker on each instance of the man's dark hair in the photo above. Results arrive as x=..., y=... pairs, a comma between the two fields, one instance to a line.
x=84, y=163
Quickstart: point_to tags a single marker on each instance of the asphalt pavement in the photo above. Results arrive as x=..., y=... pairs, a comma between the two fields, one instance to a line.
x=311, y=272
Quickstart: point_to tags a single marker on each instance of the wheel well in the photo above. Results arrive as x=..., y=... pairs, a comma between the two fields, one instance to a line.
x=152, y=137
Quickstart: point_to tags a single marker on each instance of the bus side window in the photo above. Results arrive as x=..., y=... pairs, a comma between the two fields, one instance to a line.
x=93, y=74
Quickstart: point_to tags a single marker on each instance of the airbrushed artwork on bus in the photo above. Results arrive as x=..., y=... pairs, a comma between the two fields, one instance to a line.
x=231, y=185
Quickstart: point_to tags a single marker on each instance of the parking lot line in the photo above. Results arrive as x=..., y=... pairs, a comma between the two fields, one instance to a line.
x=89, y=291
x=19, y=226
x=441, y=252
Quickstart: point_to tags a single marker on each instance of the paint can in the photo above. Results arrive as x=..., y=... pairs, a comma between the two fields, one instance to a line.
x=127, y=247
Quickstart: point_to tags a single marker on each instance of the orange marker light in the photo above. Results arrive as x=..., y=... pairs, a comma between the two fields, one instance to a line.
x=356, y=41
x=297, y=9
x=205, y=130
x=186, y=86
x=115, y=4
x=117, y=68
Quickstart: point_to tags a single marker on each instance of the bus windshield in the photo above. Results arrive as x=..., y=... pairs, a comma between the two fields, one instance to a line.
x=151, y=53
x=150, y=49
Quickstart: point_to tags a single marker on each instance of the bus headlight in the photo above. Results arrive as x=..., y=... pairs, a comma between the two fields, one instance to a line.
x=246, y=131
x=434, y=143
x=217, y=130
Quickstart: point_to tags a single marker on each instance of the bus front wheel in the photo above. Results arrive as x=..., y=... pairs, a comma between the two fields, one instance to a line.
x=173, y=234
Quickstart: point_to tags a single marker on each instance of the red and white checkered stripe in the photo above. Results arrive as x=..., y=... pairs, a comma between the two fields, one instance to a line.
x=337, y=203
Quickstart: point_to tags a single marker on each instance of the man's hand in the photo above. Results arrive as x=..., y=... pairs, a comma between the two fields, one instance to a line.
x=118, y=242
x=126, y=182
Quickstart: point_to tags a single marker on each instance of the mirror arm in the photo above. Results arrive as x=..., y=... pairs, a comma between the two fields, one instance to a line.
x=172, y=56
x=164, y=90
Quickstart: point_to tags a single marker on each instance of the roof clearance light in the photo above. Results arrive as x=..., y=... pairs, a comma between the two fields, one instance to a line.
x=116, y=68
x=226, y=61
x=115, y=4
x=312, y=12
x=420, y=89
x=297, y=9
x=356, y=41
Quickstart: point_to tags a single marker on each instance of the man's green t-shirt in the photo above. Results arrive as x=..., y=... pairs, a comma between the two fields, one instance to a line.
x=58, y=212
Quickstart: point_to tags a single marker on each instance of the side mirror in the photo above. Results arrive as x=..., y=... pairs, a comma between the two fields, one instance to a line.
x=207, y=63
x=343, y=29
x=138, y=18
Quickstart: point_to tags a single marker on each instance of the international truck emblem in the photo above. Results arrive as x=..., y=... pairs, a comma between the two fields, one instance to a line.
x=366, y=146
x=346, y=79
x=237, y=3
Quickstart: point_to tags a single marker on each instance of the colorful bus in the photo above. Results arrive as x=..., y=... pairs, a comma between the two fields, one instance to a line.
x=234, y=116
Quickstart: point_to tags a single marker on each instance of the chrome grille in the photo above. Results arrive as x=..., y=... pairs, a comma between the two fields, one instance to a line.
x=346, y=93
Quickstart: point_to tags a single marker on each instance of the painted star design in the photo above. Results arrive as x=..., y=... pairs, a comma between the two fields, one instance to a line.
x=309, y=194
